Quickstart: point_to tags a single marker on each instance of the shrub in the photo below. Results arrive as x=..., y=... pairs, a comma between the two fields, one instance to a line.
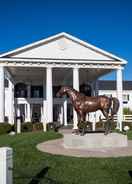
x=53, y=126
x=127, y=111
x=127, y=124
x=101, y=125
x=37, y=126
x=29, y=127
x=25, y=127
x=87, y=125
x=5, y=128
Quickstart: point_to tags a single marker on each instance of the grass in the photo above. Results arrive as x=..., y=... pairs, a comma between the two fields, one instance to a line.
x=34, y=167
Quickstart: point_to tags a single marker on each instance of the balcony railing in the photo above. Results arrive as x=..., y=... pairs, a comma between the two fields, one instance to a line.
x=126, y=118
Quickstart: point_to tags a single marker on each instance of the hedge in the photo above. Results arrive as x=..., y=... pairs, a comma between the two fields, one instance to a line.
x=37, y=126
x=29, y=127
x=53, y=126
x=86, y=124
x=102, y=124
x=5, y=128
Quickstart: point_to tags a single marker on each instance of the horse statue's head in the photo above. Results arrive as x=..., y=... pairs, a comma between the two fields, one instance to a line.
x=62, y=91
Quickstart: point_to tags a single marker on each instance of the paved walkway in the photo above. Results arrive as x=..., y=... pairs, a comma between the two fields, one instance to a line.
x=56, y=147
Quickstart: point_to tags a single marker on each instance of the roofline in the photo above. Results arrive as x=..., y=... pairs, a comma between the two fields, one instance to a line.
x=31, y=45
x=96, y=49
x=81, y=61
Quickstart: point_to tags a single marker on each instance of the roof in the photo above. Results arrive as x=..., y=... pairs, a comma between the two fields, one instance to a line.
x=111, y=85
x=57, y=36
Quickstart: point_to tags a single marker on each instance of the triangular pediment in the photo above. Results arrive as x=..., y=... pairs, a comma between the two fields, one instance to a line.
x=61, y=46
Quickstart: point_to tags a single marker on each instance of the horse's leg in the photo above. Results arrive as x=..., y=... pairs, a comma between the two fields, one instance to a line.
x=107, y=126
x=79, y=121
x=110, y=125
x=83, y=117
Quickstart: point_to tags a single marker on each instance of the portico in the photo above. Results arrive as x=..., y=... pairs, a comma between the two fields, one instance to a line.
x=44, y=66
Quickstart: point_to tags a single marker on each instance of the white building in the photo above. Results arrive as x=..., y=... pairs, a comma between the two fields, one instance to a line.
x=35, y=72
x=109, y=88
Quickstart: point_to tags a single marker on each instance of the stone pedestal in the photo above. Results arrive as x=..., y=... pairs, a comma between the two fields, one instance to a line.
x=95, y=140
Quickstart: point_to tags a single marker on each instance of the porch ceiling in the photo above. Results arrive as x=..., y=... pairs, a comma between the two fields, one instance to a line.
x=61, y=76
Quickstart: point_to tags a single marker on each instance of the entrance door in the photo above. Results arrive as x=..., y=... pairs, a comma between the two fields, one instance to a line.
x=36, y=113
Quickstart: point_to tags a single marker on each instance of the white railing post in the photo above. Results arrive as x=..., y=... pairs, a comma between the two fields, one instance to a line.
x=6, y=165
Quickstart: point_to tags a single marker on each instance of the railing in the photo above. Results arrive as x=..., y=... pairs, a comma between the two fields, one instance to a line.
x=126, y=118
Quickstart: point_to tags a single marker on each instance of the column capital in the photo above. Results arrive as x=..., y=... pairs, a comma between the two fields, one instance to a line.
x=49, y=67
x=120, y=68
x=75, y=67
x=28, y=83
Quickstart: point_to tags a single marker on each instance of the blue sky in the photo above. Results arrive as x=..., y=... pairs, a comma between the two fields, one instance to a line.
x=106, y=24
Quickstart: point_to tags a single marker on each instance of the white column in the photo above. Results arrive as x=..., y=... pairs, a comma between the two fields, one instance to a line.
x=61, y=115
x=44, y=112
x=49, y=94
x=6, y=165
x=28, y=112
x=95, y=116
x=18, y=110
x=18, y=126
x=2, y=95
x=45, y=115
x=93, y=120
x=28, y=103
x=18, y=119
x=65, y=112
x=119, y=96
x=76, y=87
x=11, y=102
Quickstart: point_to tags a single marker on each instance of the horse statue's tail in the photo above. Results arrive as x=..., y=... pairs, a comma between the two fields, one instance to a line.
x=114, y=106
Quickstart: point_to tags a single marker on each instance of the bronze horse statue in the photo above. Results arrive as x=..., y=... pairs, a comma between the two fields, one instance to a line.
x=84, y=105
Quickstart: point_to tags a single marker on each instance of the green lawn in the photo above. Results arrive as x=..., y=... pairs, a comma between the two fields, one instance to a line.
x=34, y=167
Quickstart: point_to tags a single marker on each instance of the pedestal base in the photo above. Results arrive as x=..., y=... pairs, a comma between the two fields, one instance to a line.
x=95, y=140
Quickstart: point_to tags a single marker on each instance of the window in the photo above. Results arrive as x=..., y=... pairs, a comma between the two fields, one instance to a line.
x=20, y=90
x=6, y=83
x=37, y=91
x=86, y=89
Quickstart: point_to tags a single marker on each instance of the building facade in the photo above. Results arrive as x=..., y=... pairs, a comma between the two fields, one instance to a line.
x=30, y=77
